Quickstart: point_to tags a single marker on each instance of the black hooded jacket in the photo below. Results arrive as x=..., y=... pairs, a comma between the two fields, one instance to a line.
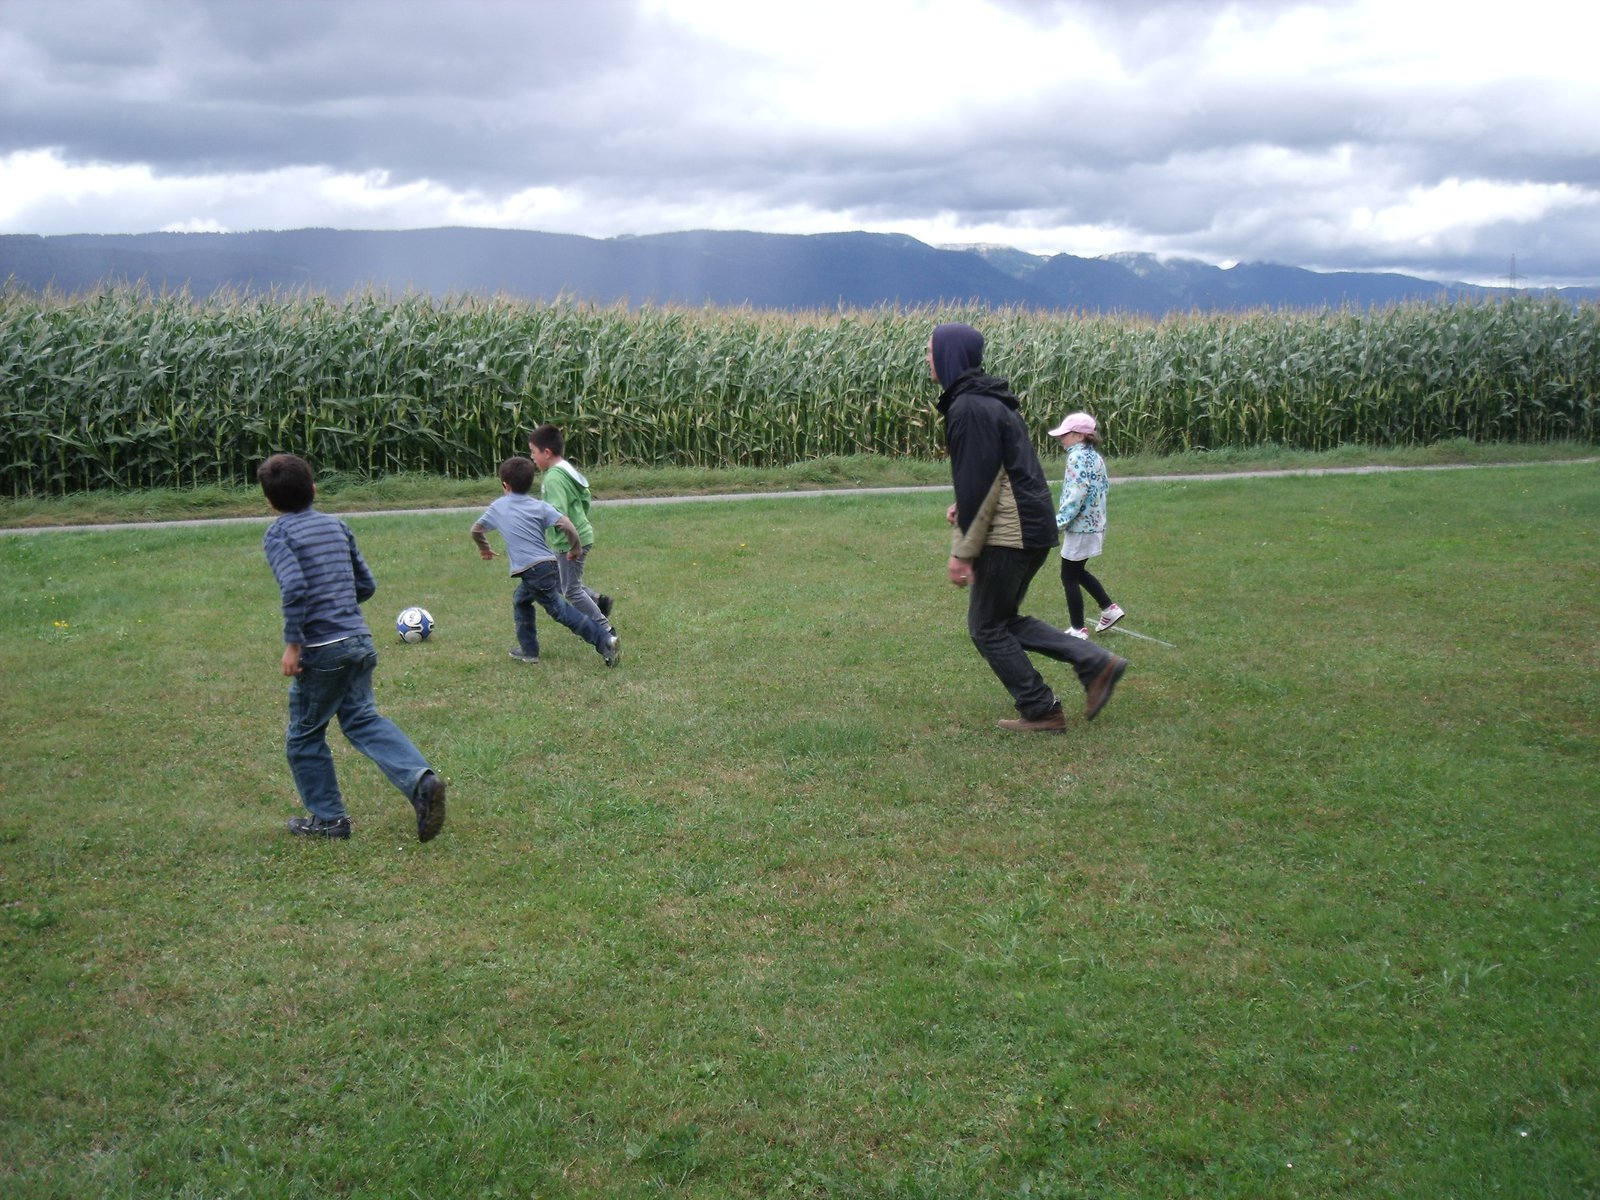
x=984, y=434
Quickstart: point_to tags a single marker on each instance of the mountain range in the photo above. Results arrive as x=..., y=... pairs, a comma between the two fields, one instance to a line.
x=733, y=269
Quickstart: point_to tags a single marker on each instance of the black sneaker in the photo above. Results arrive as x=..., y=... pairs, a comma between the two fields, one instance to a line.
x=522, y=656
x=320, y=827
x=429, y=803
x=603, y=603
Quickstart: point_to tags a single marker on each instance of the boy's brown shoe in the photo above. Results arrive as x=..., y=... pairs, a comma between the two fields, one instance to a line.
x=1054, y=721
x=1102, y=685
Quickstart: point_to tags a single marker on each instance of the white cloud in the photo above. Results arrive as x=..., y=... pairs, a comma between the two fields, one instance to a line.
x=1357, y=133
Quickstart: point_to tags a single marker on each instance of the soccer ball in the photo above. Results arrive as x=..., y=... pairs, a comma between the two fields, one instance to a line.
x=414, y=624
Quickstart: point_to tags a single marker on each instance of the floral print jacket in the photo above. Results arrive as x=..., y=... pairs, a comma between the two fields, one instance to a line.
x=1083, y=492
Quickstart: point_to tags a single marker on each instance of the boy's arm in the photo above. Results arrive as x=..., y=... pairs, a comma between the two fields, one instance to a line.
x=291, y=585
x=485, y=551
x=564, y=523
x=366, y=585
x=557, y=492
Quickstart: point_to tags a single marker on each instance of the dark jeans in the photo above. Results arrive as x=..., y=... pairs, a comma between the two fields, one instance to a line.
x=1074, y=574
x=1000, y=579
x=336, y=681
x=540, y=585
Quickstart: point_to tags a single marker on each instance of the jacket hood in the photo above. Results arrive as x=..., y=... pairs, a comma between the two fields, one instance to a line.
x=576, y=474
x=957, y=349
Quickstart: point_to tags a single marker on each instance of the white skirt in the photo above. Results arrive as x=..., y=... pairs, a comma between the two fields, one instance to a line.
x=1079, y=546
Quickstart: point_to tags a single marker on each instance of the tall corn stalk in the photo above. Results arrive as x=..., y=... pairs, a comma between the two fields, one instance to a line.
x=122, y=389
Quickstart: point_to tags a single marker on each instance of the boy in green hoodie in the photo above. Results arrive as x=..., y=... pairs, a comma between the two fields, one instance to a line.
x=564, y=488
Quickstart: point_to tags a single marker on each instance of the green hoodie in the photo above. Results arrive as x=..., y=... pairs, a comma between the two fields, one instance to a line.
x=566, y=490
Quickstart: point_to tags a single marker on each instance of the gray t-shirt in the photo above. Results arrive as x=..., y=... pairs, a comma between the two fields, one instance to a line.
x=522, y=521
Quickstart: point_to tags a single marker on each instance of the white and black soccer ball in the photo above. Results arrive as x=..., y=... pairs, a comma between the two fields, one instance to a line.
x=414, y=624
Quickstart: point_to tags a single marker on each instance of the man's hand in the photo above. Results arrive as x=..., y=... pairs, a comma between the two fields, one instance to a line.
x=960, y=571
x=291, y=660
x=950, y=515
x=486, y=552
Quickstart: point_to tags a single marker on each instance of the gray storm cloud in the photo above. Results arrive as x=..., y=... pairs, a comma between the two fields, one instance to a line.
x=1163, y=132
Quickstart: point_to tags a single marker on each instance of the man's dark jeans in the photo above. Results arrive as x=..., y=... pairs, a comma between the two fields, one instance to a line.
x=1000, y=579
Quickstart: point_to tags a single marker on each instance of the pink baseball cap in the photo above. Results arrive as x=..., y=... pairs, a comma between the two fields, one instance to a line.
x=1078, y=422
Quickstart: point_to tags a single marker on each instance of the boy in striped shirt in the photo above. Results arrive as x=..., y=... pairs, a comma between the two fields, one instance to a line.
x=328, y=653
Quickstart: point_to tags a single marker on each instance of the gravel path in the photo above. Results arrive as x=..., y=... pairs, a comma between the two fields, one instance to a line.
x=801, y=495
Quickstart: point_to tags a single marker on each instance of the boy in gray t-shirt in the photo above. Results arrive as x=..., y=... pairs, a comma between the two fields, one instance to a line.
x=522, y=521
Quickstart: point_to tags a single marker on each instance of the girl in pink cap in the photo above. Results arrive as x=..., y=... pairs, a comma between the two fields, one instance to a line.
x=1082, y=521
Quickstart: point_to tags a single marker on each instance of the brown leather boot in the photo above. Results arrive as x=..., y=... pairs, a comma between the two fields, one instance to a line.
x=1054, y=721
x=1102, y=685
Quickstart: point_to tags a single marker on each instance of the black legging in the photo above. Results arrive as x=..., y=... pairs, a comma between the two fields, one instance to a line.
x=1074, y=574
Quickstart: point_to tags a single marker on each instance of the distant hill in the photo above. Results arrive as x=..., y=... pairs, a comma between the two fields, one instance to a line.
x=761, y=270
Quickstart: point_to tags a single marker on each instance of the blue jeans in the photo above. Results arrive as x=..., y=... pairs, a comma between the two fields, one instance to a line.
x=540, y=585
x=336, y=680
x=1000, y=579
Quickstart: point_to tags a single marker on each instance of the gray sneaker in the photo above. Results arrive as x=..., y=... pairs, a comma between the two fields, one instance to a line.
x=518, y=654
x=611, y=650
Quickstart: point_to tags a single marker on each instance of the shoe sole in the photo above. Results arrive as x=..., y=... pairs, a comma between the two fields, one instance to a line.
x=430, y=813
x=1100, y=692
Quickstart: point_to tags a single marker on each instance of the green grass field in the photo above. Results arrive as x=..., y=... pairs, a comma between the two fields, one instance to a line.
x=1311, y=910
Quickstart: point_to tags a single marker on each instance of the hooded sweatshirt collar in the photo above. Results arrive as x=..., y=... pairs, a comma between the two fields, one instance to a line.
x=576, y=474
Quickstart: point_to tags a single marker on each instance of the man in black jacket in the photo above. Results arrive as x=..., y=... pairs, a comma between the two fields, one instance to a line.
x=1005, y=527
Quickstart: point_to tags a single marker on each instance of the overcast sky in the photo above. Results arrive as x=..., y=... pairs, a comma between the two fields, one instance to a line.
x=1435, y=138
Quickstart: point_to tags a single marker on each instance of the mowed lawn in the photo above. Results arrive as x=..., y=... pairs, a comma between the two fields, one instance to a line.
x=1311, y=910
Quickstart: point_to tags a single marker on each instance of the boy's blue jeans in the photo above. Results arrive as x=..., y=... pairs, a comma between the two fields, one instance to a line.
x=336, y=681
x=540, y=585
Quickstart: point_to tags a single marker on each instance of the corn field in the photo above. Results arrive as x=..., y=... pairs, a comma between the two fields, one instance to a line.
x=127, y=390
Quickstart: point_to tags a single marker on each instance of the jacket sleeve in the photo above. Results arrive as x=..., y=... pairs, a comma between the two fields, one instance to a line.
x=968, y=543
x=974, y=446
x=1074, y=491
x=558, y=492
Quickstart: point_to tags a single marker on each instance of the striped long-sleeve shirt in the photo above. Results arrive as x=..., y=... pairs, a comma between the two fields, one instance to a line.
x=322, y=576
